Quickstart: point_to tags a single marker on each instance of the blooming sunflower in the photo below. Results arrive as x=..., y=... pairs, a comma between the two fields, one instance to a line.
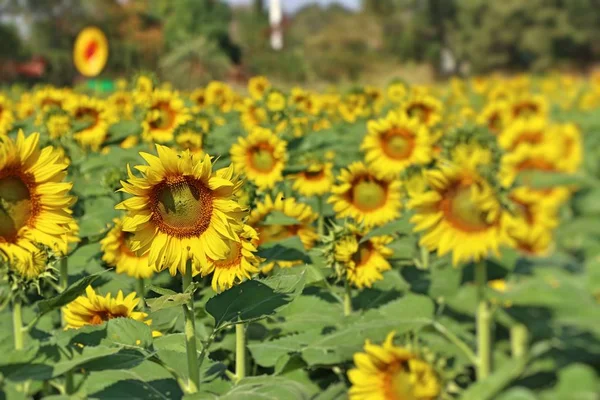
x=90, y=51
x=122, y=102
x=495, y=115
x=220, y=95
x=395, y=142
x=426, y=108
x=390, y=372
x=261, y=156
x=117, y=253
x=363, y=195
x=532, y=131
x=241, y=262
x=302, y=213
x=49, y=97
x=315, y=180
x=58, y=124
x=460, y=213
x=529, y=105
x=93, y=309
x=34, y=202
x=165, y=113
x=6, y=115
x=275, y=101
x=190, y=136
x=258, y=86
x=363, y=262
x=181, y=210
x=95, y=115
x=25, y=107
x=198, y=97
x=252, y=114
x=32, y=265
x=567, y=139
x=396, y=92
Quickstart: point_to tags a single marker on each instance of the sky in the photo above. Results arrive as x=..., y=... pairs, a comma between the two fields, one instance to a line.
x=293, y=5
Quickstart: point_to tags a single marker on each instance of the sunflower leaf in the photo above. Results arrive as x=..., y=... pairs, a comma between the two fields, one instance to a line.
x=70, y=294
x=400, y=226
x=168, y=301
x=279, y=218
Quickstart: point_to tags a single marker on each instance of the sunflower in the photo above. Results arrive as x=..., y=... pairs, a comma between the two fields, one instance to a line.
x=315, y=180
x=198, y=97
x=395, y=142
x=396, y=92
x=363, y=262
x=50, y=97
x=165, y=113
x=389, y=372
x=6, y=115
x=90, y=51
x=258, y=86
x=122, y=102
x=95, y=116
x=495, y=115
x=302, y=213
x=426, y=108
x=93, y=309
x=33, y=265
x=25, y=107
x=34, y=202
x=363, y=195
x=58, y=124
x=190, y=136
x=261, y=156
x=528, y=106
x=220, y=95
x=252, y=114
x=567, y=139
x=532, y=131
x=181, y=210
x=241, y=262
x=276, y=101
x=117, y=253
x=460, y=213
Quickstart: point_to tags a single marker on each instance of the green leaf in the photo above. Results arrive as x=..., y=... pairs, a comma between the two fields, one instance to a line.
x=161, y=291
x=70, y=294
x=401, y=226
x=123, y=129
x=308, y=311
x=577, y=381
x=255, y=299
x=267, y=353
x=168, y=301
x=518, y=393
x=290, y=249
x=492, y=385
x=278, y=218
x=263, y=388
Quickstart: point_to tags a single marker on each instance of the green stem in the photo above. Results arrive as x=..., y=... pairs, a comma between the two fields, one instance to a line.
x=456, y=341
x=518, y=340
x=190, y=334
x=347, y=298
x=321, y=220
x=69, y=382
x=484, y=317
x=240, y=351
x=18, y=324
x=64, y=283
x=141, y=290
x=424, y=257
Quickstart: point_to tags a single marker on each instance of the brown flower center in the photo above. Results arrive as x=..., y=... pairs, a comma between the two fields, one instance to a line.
x=18, y=207
x=420, y=110
x=363, y=254
x=461, y=211
x=525, y=109
x=182, y=206
x=163, y=116
x=233, y=258
x=88, y=116
x=102, y=316
x=398, y=143
x=369, y=194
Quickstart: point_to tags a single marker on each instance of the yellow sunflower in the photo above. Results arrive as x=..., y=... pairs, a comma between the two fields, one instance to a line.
x=190, y=136
x=25, y=107
x=528, y=106
x=261, y=156
x=396, y=92
x=49, y=97
x=198, y=97
x=302, y=213
x=395, y=142
x=32, y=265
x=122, y=102
x=58, y=124
x=93, y=309
x=363, y=262
x=495, y=115
x=389, y=372
x=95, y=116
x=567, y=139
x=276, y=101
x=220, y=95
x=426, y=108
x=258, y=86
x=460, y=213
x=315, y=180
x=363, y=195
x=181, y=210
x=165, y=113
x=90, y=52
x=241, y=262
x=34, y=202
x=532, y=131
x=117, y=253
x=6, y=115
x=252, y=114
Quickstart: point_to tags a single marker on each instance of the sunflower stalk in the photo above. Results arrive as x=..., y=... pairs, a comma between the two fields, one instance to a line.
x=190, y=334
x=240, y=351
x=321, y=220
x=518, y=340
x=141, y=290
x=18, y=323
x=64, y=283
x=484, y=318
x=347, y=298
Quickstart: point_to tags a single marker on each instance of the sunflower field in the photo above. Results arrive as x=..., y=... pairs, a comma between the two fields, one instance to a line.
x=408, y=242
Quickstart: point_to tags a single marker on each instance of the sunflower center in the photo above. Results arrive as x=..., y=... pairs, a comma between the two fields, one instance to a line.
x=164, y=116
x=462, y=212
x=16, y=206
x=90, y=50
x=262, y=159
x=182, y=206
x=102, y=316
x=525, y=109
x=369, y=195
x=420, y=111
x=233, y=258
x=398, y=385
x=535, y=164
x=88, y=116
x=363, y=254
x=314, y=174
x=398, y=143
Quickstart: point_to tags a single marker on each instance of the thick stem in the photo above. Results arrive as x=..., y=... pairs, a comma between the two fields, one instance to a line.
x=190, y=334
x=64, y=283
x=484, y=332
x=347, y=298
x=424, y=257
x=518, y=340
x=141, y=290
x=18, y=323
x=240, y=351
x=321, y=220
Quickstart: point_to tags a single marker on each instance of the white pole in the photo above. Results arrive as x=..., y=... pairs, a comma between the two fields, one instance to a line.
x=275, y=20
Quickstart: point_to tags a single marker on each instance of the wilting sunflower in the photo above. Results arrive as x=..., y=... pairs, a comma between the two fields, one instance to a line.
x=117, y=252
x=261, y=156
x=426, y=108
x=90, y=51
x=363, y=195
x=395, y=142
x=165, y=113
x=93, y=309
x=34, y=202
x=181, y=210
x=460, y=213
x=6, y=115
x=363, y=262
x=391, y=372
x=258, y=86
x=95, y=115
x=302, y=213
x=315, y=180
x=241, y=262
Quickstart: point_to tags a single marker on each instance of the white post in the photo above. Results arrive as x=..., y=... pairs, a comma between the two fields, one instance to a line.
x=275, y=20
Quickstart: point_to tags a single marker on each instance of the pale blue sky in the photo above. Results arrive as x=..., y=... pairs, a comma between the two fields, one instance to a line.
x=293, y=5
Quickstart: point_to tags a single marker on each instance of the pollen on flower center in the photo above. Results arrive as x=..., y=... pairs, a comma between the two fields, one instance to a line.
x=17, y=206
x=398, y=143
x=262, y=158
x=369, y=195
x=461, y=211
x=182, y=206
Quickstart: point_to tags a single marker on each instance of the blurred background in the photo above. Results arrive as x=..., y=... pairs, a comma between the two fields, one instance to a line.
x=191, y=42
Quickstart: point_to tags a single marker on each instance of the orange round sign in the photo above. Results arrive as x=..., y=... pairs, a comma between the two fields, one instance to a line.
x=90, y=52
